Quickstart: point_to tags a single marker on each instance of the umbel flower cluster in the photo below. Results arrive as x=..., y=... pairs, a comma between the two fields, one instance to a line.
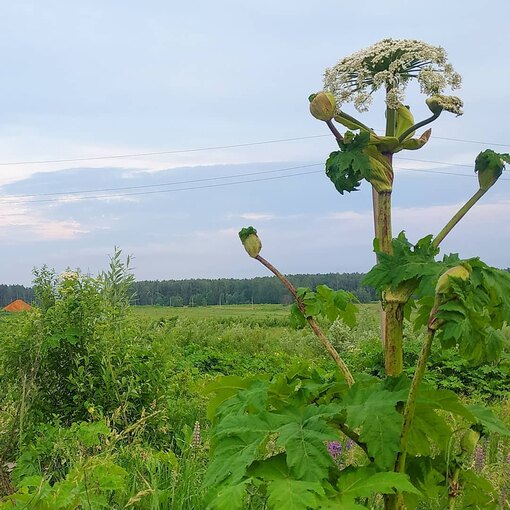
x=390, y=63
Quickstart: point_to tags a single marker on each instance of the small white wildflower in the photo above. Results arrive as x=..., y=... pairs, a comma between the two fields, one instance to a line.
x=68, y=275
x=196, y=437
x=390, y=64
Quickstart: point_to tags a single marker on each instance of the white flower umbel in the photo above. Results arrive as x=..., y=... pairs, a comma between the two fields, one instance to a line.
x=390, y=63
x=68, y=275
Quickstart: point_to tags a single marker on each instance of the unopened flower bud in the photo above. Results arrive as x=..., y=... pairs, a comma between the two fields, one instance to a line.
x=434, y=105
x=489, y=166
x=251, y=241
x=444, y=285
x=323, y=105
x=469, y=441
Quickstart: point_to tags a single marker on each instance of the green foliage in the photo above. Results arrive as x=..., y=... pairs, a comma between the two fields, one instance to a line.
x=407, y=264
x=324, y=302
x=474, y=314
x=278, y=430
x=348, y=166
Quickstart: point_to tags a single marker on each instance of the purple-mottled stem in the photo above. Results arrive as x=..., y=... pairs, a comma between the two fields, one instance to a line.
x=312, y=322
x=335, y=131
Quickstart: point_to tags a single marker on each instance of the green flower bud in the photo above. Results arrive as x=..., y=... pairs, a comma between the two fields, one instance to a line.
x=469, y=441
x=434, y=105
x=251, y=241
x=489, y=166
x=462, y=271
x=323, y=105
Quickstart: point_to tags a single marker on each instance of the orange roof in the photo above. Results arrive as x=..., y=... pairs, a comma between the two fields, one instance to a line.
x=17, y=306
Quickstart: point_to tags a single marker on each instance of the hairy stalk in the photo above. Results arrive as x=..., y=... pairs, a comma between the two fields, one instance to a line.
x=391, y=317
x=458, y=216
x=396, y=501
x=410, y=406
x=454, y=489
x=348, y=117
x=312, y=322
x=418, y=125
x=334, y=130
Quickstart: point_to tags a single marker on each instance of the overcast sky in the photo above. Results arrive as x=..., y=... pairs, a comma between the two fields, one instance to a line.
x=101, y=78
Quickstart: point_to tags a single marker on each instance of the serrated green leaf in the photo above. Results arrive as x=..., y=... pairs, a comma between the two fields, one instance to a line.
x=304, y=436
x=478, y=493
x=373, y=409
x=297, y=319
x=230, y=497
x=364, y=482
x=224, y=388
x=488, y=420
x=231, y=458
x=290, y=494
x=428, y=428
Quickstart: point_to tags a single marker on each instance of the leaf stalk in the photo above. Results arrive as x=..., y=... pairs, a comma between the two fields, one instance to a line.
x=311, y=321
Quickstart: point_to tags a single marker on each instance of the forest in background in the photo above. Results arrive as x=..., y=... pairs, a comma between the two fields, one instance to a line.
x=231, y=291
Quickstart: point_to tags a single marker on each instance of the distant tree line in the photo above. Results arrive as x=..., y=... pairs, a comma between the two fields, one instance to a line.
x=9, y=293
x=203, y=292
x=224, y=291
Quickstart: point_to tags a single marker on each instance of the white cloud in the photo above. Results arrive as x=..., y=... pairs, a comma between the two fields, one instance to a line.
x=257, y=216
x=20, y=224
x=52, y=230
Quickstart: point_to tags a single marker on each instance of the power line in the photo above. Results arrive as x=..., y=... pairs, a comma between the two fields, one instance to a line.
x=119, y=195
x=98, y=197
x=8, y=200
x=435, y=162
x=159, y=153
x=202, y=149
x=101, y=190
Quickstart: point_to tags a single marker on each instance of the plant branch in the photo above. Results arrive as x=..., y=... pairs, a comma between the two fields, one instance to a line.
x=410, y=406
x=350, y=118
x=418, y=125
x=335, y=131
x=311, y=321
x=458, y=216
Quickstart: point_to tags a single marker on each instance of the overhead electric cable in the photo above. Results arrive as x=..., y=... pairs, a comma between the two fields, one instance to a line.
x=8, y=199
x=100, y=190
x=98, y=197
x=160, y=153
x=203, y=149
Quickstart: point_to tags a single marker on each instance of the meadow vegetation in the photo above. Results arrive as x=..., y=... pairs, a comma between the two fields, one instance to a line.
x=103, y=404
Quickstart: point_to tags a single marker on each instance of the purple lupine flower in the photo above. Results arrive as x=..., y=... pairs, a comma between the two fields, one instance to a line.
x=349, y=444
x=479, y=458
x=335, y=449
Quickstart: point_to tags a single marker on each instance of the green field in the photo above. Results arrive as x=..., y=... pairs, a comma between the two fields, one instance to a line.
x=101, y=400
x=213, y=312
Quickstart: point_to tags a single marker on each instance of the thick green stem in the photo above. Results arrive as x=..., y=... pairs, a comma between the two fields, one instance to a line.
x=410, y=406
x=391, y=122
x=392, y=318
x=458, y=216
x=383, y=229
x=393, y=345
x=311, y=321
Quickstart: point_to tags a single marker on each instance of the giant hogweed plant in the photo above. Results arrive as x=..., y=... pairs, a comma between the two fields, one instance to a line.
x=415, y=442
